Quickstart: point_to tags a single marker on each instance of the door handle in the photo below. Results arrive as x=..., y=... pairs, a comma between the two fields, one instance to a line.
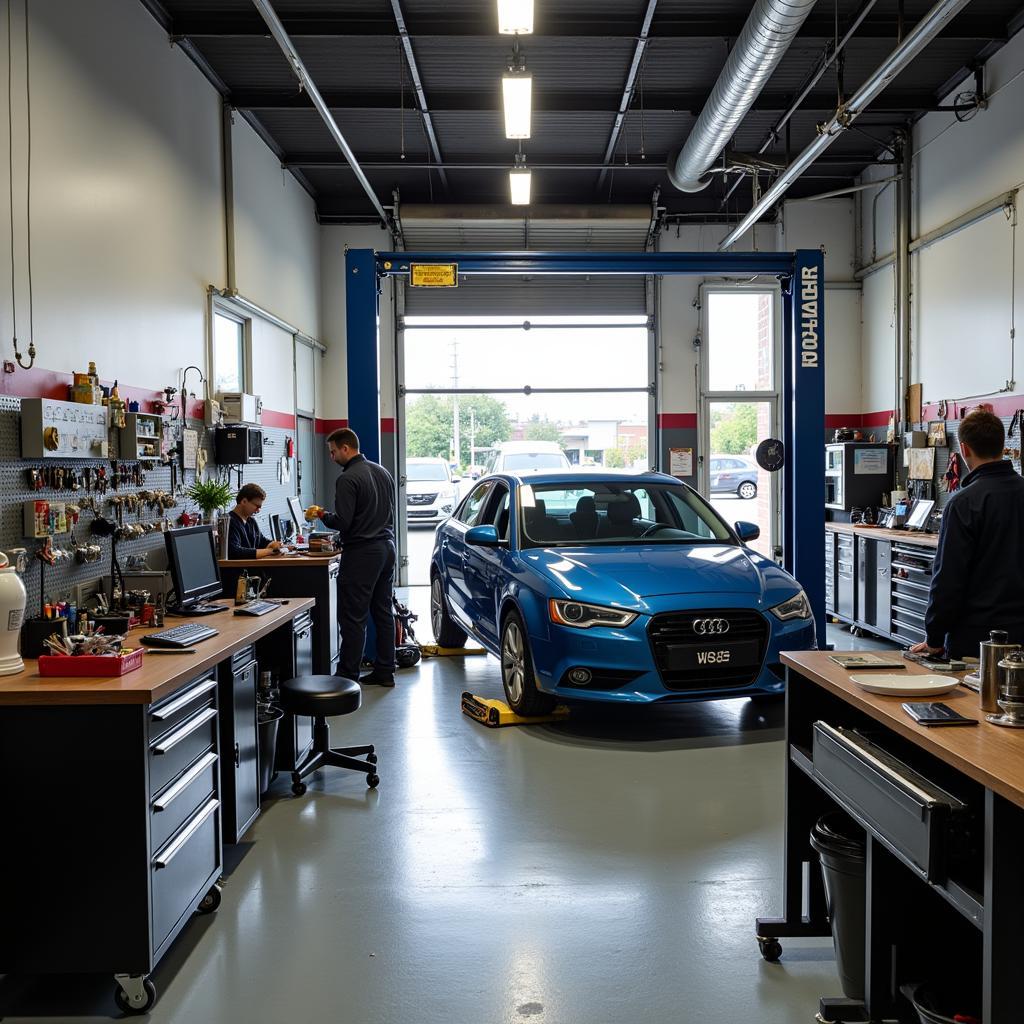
x=238, y=757
x=171, y=741
x=172, y=851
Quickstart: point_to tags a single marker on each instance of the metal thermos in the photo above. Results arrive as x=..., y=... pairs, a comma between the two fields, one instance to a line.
x=993, y=650
x=1011, y=693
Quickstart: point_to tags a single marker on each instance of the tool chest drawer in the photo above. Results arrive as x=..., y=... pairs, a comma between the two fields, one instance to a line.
x=170, y=712
x=177, y=801
x=912, y=816
x=174, y=751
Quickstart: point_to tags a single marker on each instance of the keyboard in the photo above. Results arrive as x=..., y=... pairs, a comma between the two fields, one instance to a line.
x=256, y=608
x=185, y=635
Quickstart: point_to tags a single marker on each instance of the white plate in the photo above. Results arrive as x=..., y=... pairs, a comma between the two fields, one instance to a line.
x=904, y=685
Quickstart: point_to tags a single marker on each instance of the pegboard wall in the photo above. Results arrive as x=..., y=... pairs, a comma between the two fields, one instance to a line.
x=60, y=580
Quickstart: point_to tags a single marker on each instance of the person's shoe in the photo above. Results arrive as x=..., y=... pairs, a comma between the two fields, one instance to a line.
x=378, y=678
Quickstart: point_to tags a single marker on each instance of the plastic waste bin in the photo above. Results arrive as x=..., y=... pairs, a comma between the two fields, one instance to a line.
x=942, y=1004
x=841, y=848
x=266, y=723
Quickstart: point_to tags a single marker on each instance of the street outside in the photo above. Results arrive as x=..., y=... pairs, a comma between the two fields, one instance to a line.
x=421, y=538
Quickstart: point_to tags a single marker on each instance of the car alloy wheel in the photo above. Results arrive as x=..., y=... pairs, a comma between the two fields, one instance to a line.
x=513, y=667
x=747, y=490
x=436, y=605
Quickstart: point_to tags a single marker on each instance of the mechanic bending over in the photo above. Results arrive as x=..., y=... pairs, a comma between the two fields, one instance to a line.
x=245, y=538
x=978, y=574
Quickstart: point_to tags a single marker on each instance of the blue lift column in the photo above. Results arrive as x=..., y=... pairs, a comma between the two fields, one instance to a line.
x=362, y=349
x=804, y=429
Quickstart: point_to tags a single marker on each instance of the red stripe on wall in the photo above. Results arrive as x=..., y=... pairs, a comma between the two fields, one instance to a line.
x=281, y=420
x=677, y=420
x=387, y=426
x=328, y=426
x=1001, y=405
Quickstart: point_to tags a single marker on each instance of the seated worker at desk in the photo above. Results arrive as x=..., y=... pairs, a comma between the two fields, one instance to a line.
x=245, y=538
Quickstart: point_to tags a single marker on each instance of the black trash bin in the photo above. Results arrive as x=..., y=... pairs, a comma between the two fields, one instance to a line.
x=841, y=848
x=267, y=721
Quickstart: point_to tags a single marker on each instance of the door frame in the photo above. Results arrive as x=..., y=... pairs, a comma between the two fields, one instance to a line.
x=707, y=397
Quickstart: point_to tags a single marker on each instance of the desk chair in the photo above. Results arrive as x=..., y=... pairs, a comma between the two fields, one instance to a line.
x=321, y=697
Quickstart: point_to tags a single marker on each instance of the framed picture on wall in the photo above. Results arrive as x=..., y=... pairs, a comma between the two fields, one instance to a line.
x=937, y=434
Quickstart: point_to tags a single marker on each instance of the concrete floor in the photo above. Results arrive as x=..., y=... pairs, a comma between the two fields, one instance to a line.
x=603, y=870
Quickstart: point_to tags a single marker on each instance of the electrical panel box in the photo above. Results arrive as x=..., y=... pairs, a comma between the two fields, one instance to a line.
x=241, y=408
x=63, y=430
x=45, y=519
x=142, y=436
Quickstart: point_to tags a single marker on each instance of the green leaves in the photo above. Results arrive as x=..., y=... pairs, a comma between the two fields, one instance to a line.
x=210, y=495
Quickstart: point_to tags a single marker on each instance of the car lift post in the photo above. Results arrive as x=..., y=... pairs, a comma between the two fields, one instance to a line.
x=802, y=279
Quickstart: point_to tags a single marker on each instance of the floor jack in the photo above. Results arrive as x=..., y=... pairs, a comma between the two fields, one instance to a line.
x=436, y=651
x=495, y=713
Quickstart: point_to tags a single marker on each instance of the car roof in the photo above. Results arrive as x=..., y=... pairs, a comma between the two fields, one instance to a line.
x=427, y=459
x=529, y=446
x=578, y=477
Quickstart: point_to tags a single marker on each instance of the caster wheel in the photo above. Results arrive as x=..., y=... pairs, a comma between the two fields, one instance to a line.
x=372, y=758
x=298, y=788
x=771, y=949
x=144, y=1003
x=373, y=781
x=210, y=902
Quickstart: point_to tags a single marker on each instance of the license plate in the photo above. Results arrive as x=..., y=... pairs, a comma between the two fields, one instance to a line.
x=738, y=654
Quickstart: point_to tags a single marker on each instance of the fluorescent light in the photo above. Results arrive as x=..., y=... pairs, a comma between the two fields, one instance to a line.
x=517, y=95
x=519, y=186
x=515, y=16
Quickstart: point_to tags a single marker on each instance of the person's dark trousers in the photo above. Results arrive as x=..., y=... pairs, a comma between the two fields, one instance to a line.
x=365, y=586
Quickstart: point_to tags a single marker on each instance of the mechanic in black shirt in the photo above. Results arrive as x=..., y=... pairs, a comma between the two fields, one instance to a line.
x=364, y=516
x=979, y=569
x=245, y=538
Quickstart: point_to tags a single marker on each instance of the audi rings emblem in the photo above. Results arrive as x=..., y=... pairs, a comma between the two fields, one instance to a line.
x=710, y=627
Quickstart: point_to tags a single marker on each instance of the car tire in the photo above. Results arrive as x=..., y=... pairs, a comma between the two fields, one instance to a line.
x=747, y=490
x=517, y=674
x=446, y=631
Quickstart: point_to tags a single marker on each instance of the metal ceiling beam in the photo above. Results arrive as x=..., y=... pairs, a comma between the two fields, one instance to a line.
x=655, y=104
x=627, y=92
x=697, y=29
x=299, y=69
x=915, y=41
x=655, y=166
x=421, y=96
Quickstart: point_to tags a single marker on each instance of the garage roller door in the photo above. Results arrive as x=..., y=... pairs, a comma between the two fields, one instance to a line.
x=524, y=295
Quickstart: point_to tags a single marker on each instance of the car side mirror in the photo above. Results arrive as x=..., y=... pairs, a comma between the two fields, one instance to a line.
x=483, y=536
x=747, y=532
x=456, y=479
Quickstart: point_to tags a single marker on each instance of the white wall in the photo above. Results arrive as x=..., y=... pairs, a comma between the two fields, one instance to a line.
x=962, y=286
x=128, y=221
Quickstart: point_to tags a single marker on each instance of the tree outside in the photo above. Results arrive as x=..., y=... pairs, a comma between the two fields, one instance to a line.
x=430, y=425
x=542, y=430
x=733, y=428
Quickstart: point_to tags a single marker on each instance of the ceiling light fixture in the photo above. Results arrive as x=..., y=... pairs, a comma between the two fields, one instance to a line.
x=517, y=96
x=519, y=182
x=515, y=17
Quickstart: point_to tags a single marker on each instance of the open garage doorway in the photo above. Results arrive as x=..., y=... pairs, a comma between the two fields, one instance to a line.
x=565, y=390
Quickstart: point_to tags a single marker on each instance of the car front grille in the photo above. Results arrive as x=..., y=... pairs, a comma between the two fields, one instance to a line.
x=675, y=629
x=422, y=499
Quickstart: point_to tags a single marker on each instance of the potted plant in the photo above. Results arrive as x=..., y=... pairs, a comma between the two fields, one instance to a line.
x=211, y=496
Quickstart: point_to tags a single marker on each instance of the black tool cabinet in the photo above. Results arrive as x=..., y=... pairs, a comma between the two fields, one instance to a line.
x=240, y=769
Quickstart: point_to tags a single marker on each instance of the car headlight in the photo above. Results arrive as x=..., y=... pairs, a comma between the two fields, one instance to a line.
x=583, y=616
x=797, y=607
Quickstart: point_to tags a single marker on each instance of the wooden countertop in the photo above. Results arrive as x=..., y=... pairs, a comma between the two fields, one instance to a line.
x=923, y=540
x=160, y=674
x=990, y=754
x=278, y=561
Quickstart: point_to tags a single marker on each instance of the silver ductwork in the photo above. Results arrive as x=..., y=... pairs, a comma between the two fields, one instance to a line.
x=771, y=27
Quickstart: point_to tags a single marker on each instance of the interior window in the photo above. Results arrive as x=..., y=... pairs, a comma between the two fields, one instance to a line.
x=498, y=512
x=471, y=507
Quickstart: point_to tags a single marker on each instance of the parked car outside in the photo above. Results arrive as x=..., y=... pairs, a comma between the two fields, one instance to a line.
x=733, y=474
x=431, y=492
x=523, y=456
x=615, y=587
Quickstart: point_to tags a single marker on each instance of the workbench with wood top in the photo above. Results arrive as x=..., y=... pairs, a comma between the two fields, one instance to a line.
x=117, y=795
x=943, y=811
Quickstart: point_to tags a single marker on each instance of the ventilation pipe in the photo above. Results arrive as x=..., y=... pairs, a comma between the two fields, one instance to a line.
x=771, y=27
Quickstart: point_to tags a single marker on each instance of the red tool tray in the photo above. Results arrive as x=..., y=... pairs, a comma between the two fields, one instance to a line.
x=56, y=665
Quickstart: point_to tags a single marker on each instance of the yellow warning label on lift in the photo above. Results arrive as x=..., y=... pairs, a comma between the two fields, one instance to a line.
x=434, y=275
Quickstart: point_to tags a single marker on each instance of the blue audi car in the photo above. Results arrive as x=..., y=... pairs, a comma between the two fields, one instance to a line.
x=612, y=587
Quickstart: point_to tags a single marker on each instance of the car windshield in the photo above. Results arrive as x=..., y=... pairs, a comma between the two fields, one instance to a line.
x=613, y=513
x=425, y=471
x=533, y=460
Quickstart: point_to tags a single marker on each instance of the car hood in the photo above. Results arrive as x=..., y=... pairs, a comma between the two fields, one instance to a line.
x=625, y=576
x=427, y=486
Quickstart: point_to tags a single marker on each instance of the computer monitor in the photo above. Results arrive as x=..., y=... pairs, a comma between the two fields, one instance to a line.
x=918, y=518
x=192, y=559
x=298, y=514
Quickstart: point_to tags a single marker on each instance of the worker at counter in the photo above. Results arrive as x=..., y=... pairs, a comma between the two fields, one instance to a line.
x=979, y=568
x=245, y=538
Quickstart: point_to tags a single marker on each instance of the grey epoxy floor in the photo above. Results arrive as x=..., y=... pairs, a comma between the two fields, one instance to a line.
x=603, y=870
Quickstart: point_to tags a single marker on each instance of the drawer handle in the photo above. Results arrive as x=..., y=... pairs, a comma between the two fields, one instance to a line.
x=172, y=851
x=169, y=710
x=172, y=794
x=171, y=741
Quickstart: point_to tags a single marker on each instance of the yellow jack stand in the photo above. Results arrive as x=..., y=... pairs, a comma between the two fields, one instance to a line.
x=495, y=713
x=434, y=651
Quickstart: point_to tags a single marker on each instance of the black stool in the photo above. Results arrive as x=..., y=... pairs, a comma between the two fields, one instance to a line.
x=322, y=697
